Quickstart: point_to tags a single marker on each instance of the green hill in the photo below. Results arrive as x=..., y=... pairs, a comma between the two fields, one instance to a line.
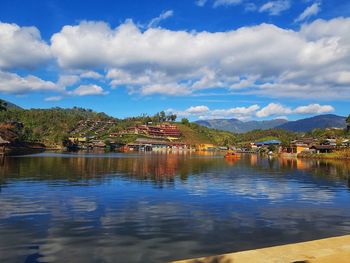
x=193, y=133
x=49, y=126
x=52, y=126
x=9, y=105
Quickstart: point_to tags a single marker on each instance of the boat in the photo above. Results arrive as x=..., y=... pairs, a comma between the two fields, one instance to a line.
x=231, y=155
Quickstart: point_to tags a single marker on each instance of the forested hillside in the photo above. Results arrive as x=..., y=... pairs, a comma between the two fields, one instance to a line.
x=49, y=126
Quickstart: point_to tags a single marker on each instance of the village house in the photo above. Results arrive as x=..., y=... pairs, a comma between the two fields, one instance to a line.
x=332, y=142
x=322, y=148
x=163, y=130
x=143, y=144
x=301, y=145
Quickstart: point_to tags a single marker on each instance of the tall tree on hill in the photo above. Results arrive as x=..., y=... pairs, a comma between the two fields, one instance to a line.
x=3, y=105
x=162, y=116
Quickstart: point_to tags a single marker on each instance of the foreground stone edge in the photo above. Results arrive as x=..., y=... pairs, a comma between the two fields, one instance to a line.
x=335, y=249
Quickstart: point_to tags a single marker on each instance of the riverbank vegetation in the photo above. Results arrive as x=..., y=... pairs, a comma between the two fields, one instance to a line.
x=340, y=154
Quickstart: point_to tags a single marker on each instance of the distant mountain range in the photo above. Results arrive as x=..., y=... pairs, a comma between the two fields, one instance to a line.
x=320, y=121
x=302, y=125
x=237, y=126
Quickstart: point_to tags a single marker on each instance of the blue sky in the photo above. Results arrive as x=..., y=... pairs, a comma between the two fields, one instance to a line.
x=200, y=59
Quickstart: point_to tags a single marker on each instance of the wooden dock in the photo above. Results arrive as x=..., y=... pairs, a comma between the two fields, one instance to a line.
x=328, y=250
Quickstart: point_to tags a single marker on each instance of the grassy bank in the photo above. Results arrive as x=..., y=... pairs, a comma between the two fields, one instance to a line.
x=343, y=154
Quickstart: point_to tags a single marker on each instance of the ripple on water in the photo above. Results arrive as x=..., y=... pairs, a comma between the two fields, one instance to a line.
x=132, y=208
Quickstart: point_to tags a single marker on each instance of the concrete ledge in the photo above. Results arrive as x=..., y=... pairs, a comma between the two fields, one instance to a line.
x=335, y=249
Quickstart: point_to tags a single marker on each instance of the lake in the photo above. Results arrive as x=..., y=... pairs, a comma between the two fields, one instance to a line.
x=154, y=207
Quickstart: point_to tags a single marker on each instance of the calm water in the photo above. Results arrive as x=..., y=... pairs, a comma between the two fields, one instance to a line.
x=157, y=207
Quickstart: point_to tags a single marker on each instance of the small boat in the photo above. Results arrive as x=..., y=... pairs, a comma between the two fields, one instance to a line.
x=231, y=155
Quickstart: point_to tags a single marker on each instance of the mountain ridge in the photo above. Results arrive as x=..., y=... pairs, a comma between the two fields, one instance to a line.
x=316, y=122
x=302, y=125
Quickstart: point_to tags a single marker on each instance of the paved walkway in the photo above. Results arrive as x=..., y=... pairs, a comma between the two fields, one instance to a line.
x=330, y=250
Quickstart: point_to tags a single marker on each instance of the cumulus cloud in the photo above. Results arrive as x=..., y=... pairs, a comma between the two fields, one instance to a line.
x=67, y=80
x=274, y=109
x=197, y=109
x=312, y=10
x=163, y=16
x=218, y=3
x=313, y=109
x=21, y=47
x=91, y=75
x=203, y=112
x=246, y=113
x=15, y=84
x=159, y=61
x=274, y=8
x=173, y=89
x=85, y=90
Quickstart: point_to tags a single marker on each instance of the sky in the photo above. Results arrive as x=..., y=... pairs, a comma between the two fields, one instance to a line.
x=200, y=59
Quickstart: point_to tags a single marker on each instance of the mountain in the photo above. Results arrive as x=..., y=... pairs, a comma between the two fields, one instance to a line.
x=237, y=126
x=10, y=105
x=320, y=121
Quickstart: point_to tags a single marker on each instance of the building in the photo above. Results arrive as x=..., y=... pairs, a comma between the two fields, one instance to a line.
x=332, y=142
x=144, y=144
x=322, y=148
x=301, y=145
x=163, y=130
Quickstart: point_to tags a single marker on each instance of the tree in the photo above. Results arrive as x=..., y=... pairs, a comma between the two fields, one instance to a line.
x=173, y=117
x=185, y=121
x=3, y=105
x=162, y=116
x=348, y=123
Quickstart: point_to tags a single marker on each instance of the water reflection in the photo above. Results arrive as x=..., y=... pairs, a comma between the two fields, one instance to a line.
x=161, y=207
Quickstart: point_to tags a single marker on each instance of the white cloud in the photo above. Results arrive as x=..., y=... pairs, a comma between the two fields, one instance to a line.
x=173, y=89
x=241, y=113
x=85, y=90
x=312, y=10
x=21, y=47
x=91, y=75
x=203, y=112
x=200, y=2
x=163, y=16
x=197, y=109
x=15, y=84
x=159, y=61
x=274, y=8
x=218, y=3
x=245, y=113
x=54, y=98
x=313, y=109
x=67, y=80
x=273, y=109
